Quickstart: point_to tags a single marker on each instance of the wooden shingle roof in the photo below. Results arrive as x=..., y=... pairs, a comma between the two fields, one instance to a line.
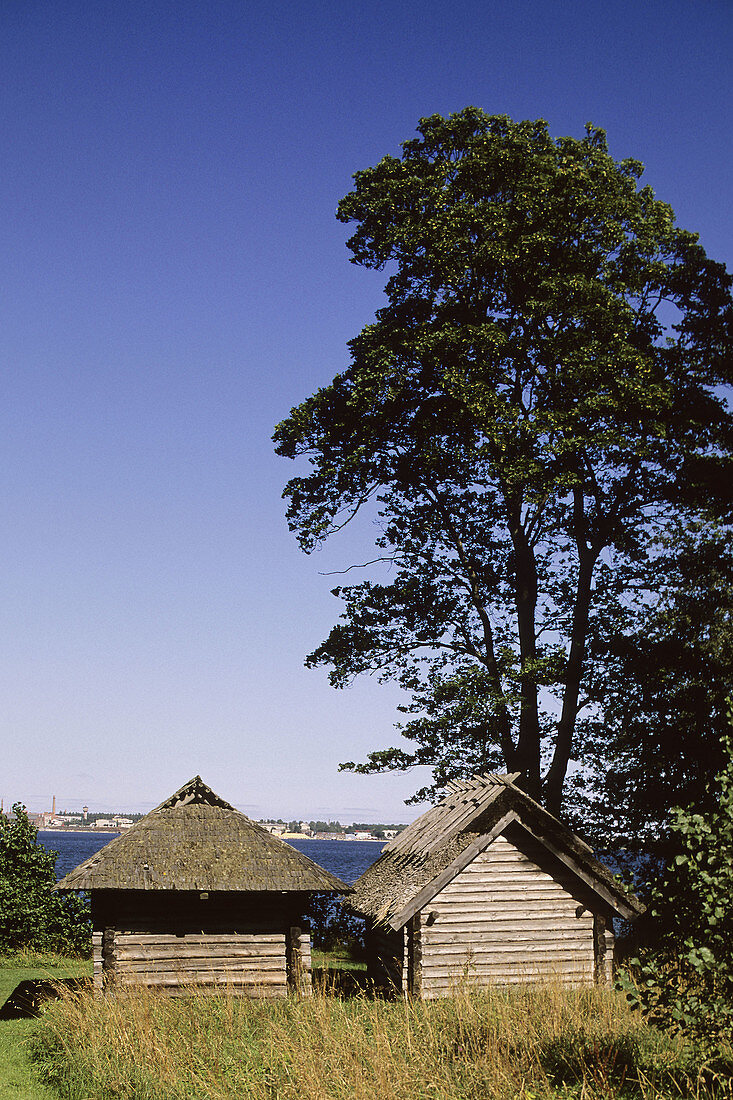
x=195, y=840
x=423, y=858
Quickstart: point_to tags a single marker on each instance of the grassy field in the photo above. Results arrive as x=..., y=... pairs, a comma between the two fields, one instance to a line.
x=18, y=1080
x=521, y=1044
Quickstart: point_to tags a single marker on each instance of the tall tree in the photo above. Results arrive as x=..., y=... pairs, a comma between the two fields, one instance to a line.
x=521, y=415
x=661, y=675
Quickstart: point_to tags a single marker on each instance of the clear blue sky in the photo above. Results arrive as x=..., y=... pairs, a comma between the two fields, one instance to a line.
x=173, y=281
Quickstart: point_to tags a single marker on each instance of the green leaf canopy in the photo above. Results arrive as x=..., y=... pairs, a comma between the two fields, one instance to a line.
x=537, y=400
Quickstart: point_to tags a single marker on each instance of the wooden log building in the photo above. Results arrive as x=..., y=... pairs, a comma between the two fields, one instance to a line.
x=197, y=895
x=488, y=887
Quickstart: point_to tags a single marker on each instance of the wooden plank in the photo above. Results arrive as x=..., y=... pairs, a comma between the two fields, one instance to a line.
x=481, y=937
x=539, y=891
x=450, y=815
x=508, y=872
x=484, y=974
x=509, y=898
x=604, y=945
x=486, y=876
x=203, y=938
x=450, y=981
x=202, y=951
x=518, y=891
x=414, y=941
x=472, y=921
x=428, y=892
x=179, y=966
x=467, y=809
x=200, y=977
x=566, y=950
x=437, y=968
x=616, y=902
x=504, y=910
x=443, y=986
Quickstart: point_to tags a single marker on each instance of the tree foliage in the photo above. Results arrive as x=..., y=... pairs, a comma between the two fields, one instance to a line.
x=685, y=976
x=661, y=675
x=32, y=915
x=533, y=406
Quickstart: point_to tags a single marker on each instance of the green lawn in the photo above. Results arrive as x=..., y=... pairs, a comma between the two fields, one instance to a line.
x=336, y=960
x=17, y=1077
x=18, y=1080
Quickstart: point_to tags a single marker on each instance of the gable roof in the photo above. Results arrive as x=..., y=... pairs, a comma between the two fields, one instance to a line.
x=195, y=840
x=431, y=851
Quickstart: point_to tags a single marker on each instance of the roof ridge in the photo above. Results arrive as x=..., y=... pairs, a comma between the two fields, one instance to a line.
x=196, y=793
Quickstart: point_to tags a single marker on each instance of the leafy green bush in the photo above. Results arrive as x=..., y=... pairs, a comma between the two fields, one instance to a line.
x=32, y=915
x=684, y=976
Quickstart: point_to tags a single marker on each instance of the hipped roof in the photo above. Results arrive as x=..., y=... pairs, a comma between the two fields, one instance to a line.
x=428, y=854
x=197, y=841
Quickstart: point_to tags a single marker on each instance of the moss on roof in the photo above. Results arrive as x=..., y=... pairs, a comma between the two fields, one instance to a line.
x=197, y=841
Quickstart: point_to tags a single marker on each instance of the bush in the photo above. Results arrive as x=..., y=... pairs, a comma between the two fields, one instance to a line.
x=32, y=915
x=684, y=976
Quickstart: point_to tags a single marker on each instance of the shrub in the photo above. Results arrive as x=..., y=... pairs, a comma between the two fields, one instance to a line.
x=684, y=977
x=32, y=915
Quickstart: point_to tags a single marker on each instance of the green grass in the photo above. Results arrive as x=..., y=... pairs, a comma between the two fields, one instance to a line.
x=520, y=1044
x=18, y=1078
x=336, y=960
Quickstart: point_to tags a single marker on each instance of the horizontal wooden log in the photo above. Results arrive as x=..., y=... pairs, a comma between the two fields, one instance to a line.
x=505, y=933
x=505, y=872
x=454, y=974
x=434, y=993
x=200, y=951
x=452, y=955
x=507, y=912
x=506, y=977
x=527, y=887
x=448, y=979
x=563, y=949
x=437, y=966
x=470, y=923
x=219, y=978
x=505, y=964
x=201, y=937
x=515, y=948
x=267, y=993
x=185, y=966
x=543, y=905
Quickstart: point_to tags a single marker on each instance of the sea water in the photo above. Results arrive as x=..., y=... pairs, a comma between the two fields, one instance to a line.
x=346, y=858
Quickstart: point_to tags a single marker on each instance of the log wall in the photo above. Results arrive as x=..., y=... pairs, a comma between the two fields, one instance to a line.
x=241, y=963
x=179, y=942
x=503, y=919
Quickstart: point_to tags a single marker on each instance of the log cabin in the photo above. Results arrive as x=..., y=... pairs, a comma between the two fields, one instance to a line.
x=195, y=895
x=488, y=888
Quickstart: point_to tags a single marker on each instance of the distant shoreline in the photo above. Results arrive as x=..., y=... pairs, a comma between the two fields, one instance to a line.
x=70, y=829
x=288, y=836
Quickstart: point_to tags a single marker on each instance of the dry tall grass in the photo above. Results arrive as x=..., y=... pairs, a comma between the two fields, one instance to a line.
x=525, y=1043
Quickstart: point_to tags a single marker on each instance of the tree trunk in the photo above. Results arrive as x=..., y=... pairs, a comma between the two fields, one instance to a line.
x=527, y=755
x=555, y=779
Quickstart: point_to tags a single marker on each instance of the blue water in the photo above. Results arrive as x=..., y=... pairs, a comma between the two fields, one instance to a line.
x=346, y=858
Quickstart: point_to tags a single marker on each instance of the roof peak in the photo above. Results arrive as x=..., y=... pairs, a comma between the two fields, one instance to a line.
x=194, y=793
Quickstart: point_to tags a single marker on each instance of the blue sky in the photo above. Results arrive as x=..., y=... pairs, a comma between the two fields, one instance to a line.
x=173, y=281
